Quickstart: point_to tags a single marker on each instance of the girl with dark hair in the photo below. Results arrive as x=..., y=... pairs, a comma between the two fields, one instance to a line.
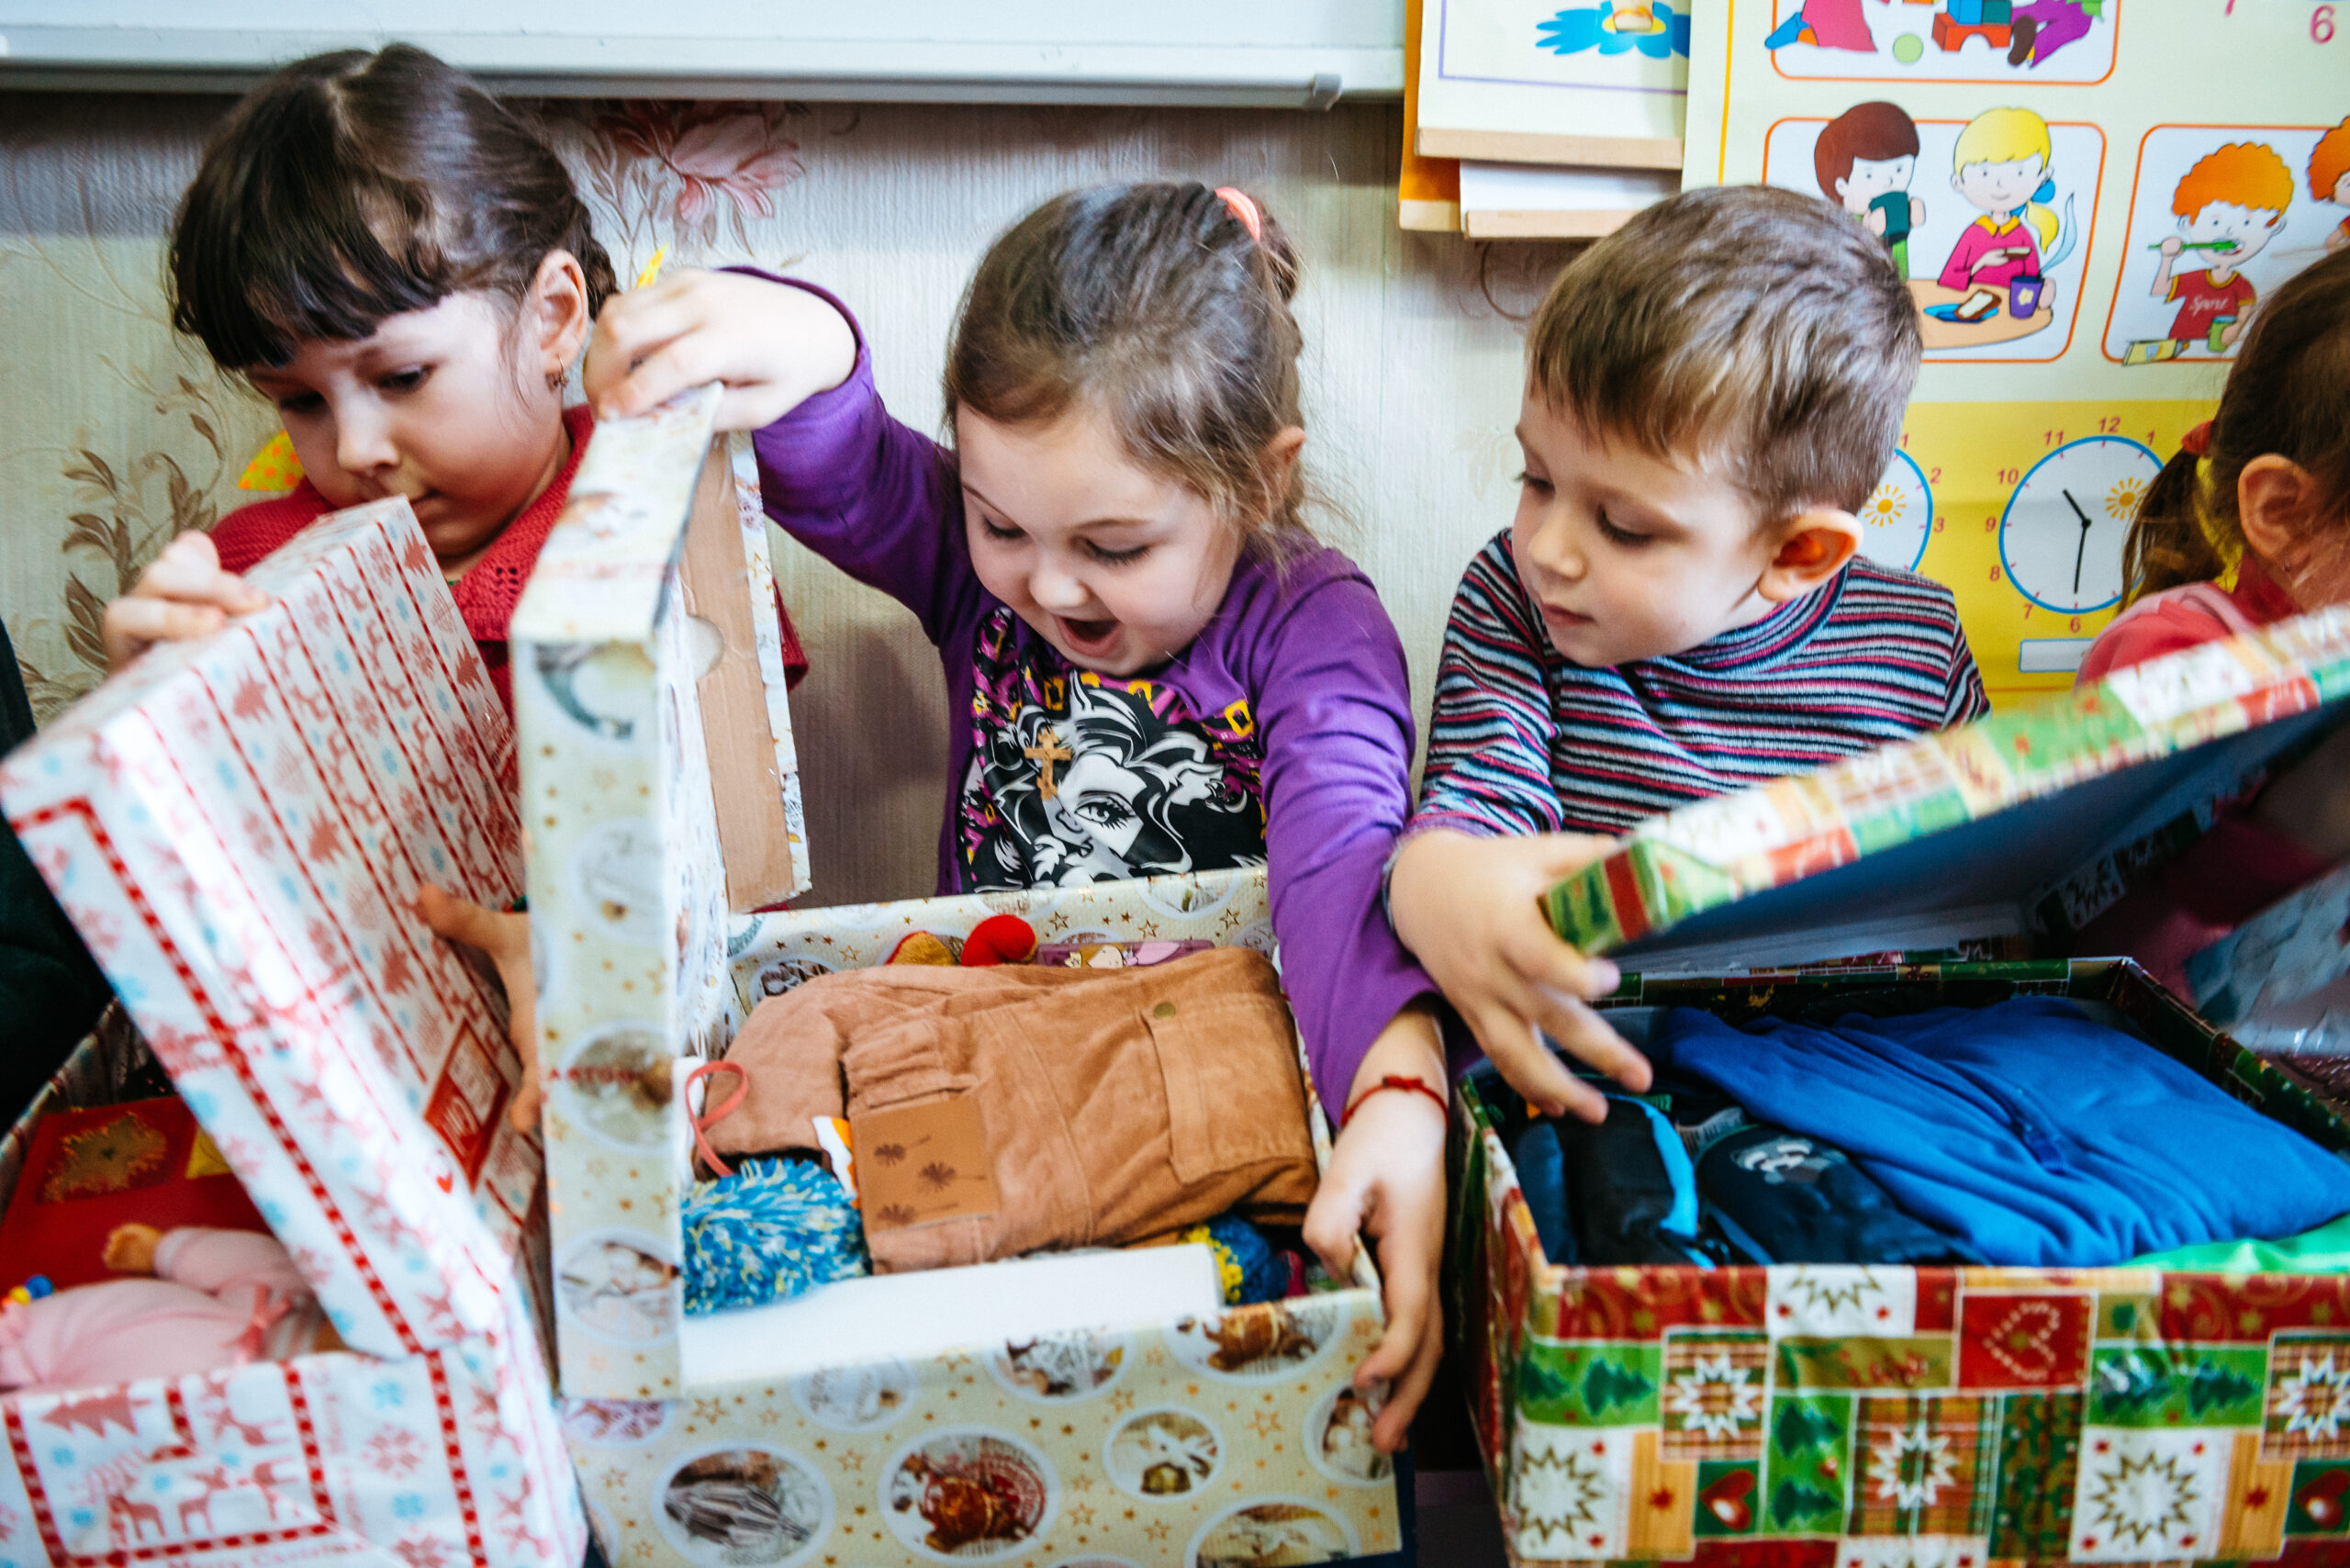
x=1151, y=664
x=400, y=262
x=2264, y=487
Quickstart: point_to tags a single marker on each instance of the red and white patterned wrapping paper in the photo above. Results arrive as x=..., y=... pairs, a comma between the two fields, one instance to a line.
x=239, y=826
x=449, y=1458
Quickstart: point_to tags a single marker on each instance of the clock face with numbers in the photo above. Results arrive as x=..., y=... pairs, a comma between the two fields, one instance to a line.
x=1898, y=516
x=2060, y=539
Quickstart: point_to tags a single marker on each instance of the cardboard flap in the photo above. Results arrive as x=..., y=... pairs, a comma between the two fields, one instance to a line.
x=746, y=785
x=2030, y=820
x=238, y=827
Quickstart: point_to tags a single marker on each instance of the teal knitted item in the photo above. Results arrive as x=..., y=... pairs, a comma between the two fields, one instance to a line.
x=773, y=1229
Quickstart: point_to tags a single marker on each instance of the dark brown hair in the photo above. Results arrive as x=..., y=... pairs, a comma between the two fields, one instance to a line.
x=1155, y=304
x=2288, y=393
x=349, y=187
x=1877, y=131
x=1756, y=330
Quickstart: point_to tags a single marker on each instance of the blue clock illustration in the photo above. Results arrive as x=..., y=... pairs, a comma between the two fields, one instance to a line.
x=2060, y=538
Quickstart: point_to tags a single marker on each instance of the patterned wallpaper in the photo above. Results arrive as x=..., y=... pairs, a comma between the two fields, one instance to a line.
x=122, y=435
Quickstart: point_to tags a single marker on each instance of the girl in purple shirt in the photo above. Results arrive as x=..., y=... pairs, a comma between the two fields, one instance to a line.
x=1152, y=665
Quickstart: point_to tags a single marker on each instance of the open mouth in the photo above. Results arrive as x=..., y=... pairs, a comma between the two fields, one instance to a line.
x=1088, y=637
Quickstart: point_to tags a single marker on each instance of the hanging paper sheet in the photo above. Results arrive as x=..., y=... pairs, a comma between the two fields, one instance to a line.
x=2088, y=199
x=1599, y=81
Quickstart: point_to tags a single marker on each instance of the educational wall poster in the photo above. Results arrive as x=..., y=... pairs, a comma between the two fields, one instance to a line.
x=1602, y=82
x=2088, y=199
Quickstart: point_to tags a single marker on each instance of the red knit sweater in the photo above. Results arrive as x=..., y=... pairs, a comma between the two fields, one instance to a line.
x=491, y=587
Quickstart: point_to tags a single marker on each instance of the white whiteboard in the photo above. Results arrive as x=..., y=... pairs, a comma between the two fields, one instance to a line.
x=1304, y=53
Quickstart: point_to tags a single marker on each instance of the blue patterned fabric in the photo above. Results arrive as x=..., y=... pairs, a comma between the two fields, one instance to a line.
x=773, y=1229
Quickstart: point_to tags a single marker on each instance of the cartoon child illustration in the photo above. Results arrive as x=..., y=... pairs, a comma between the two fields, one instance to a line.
x=2000, y=166
x=1864, y=160
x=2330, y=178
x=1828, y=24
x=2231, y=204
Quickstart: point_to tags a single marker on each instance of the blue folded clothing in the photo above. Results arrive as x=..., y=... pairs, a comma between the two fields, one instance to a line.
x=2037, y=1136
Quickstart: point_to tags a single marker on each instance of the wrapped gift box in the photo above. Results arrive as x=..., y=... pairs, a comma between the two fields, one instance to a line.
x=238, y=827
x=997, y=1414
x=448, y=1457
x=1747, y=1415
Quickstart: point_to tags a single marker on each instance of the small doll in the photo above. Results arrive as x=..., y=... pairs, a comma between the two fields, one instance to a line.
x=194, y=1300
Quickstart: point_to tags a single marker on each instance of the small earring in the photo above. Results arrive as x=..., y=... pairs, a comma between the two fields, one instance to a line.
x=556, y=378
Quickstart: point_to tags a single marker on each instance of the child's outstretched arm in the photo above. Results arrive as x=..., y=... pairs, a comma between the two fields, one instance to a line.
x=182, y=595
x=1332, y=704
x=506, y=939
x=1465, y=891
x=1471, y=911
x=1386, y=1181
x=772, y=347
x=874, y=497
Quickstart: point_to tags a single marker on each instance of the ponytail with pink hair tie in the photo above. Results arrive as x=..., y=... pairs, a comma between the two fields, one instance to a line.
x=1244, y=208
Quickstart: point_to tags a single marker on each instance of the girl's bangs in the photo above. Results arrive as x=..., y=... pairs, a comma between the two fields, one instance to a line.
x=325, y=273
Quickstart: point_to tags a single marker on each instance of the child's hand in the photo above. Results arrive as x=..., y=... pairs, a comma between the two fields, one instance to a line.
x=1471, y=911
x=131, y=1248
x=1387, y=1180
x=771, y=344
x=182, y=595
x=506, y=939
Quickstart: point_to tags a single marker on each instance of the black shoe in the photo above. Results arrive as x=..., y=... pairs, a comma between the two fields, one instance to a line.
x=2019, y=39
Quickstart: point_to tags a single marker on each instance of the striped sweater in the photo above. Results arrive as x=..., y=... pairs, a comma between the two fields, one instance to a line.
x=1524, y=741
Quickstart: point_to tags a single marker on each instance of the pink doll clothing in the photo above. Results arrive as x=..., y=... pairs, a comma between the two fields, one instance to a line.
x=1984, y=235
x=218, y=1298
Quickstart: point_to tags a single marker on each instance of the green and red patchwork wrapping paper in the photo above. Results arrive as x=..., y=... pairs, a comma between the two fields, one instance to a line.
x=1815, y=1416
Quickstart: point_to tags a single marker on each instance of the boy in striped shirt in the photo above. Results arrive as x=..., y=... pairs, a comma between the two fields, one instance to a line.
x=1679, y=608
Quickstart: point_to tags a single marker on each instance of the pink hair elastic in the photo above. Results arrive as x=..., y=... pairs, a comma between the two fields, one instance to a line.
x=1244, y=208
x=703, y=1123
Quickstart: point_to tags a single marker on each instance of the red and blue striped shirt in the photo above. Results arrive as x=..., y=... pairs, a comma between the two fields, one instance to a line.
x=1523, y=740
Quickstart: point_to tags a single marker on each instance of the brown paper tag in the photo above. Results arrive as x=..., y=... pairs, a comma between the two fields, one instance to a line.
x=917, y=1164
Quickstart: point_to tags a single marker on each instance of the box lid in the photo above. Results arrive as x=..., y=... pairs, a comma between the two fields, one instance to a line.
x=2028, y=821
x=238, y=827
x=627, y=883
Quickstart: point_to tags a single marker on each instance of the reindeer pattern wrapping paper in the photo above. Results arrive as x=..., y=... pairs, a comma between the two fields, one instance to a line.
x=238, y=827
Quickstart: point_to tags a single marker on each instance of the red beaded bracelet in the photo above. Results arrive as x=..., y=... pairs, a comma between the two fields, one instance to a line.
x=1397, y=1080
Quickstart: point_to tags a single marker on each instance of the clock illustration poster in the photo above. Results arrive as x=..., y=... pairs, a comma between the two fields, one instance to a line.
x=2085, y=224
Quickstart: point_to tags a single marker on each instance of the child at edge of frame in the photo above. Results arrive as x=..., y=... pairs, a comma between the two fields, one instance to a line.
x=1680, y=608
x=1152, y=665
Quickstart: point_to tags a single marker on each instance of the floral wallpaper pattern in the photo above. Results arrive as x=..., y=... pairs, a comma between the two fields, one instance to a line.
x=121, y=434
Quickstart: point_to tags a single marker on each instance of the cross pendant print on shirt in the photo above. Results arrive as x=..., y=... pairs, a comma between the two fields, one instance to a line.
x=1048, y=751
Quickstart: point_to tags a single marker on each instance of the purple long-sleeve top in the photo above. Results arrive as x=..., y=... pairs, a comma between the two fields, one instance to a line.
x=1307, y=645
